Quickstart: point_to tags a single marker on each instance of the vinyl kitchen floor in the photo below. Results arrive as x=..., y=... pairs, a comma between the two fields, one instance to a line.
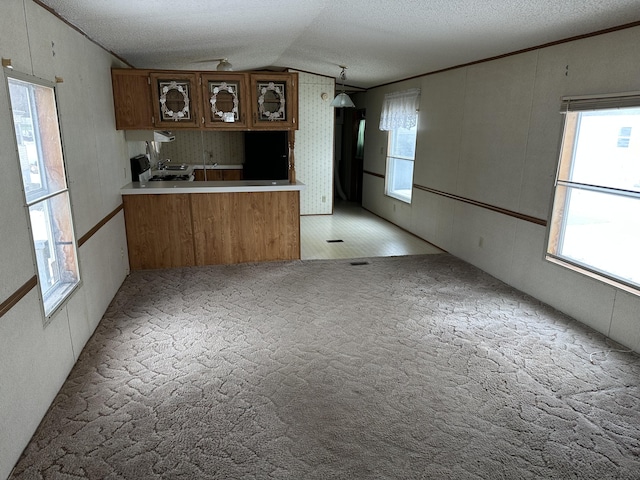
x=362, y=234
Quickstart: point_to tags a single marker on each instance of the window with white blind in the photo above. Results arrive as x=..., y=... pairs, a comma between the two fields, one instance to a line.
x=595, y=218
x=35, y=120
x=399, y=117
x=401, y=153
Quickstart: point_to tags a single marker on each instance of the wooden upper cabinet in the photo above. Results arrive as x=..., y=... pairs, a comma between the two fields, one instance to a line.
x=225, y=100
x=274, y=101
x=132, y=99
x=153, y=99
x=176, y=99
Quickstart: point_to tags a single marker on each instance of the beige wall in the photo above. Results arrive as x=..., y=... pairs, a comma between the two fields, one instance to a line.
x=314, y=144
x=490, y=133
x=35, y=360
x=194, y=147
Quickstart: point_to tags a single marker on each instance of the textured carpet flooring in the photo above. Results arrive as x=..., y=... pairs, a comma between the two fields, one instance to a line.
x=418, y=367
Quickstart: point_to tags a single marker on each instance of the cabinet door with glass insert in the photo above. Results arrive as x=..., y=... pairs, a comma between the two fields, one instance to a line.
x=175, y=97
x=224, y=103
x=274, y=98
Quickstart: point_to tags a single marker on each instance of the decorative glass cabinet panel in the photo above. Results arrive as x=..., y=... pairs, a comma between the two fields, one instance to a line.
x=225, y=104
x=175, y=99
x=274, y=105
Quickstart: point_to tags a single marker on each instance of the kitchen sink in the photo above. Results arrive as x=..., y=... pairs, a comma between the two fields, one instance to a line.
x=180, y=167
x=166, y=178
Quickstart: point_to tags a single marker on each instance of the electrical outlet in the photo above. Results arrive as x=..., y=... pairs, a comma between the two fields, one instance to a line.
x=121, y=252
x=480, y=242
x=324, y=198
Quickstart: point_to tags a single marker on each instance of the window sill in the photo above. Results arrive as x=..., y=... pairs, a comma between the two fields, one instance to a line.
x=403, y=198
x=57, y=298
x=596, y=276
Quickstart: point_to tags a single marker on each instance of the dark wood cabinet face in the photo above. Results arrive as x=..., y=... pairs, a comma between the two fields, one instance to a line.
x=175, y=99
x=132, y=99
x=225, y=100
x=155, y=99
x=274, y=101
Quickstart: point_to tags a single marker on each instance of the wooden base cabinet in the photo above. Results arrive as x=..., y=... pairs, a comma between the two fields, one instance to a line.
x=246, y=227
x=176, y=230
x=159, y=231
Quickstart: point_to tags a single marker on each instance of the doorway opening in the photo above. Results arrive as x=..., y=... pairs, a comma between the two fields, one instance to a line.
x=349, y=154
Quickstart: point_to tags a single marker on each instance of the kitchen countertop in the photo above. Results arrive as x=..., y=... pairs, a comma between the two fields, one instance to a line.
x=181, y=186
x=240, y=166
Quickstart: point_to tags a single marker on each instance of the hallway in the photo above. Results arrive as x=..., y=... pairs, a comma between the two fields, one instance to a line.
x=363, y=234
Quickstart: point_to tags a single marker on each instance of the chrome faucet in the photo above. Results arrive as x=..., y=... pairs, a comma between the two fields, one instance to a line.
x=162, y=164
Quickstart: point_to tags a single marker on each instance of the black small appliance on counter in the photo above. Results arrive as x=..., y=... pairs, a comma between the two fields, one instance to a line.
x=140, y=165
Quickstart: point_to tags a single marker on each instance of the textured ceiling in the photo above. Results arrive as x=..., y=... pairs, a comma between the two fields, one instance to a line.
x=379, y=40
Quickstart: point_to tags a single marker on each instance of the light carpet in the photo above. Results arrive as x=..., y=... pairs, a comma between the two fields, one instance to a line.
x=417, y=367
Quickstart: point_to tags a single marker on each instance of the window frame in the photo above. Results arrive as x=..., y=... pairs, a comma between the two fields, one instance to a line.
x=48, y=205
x=390, y=161
x=565, y=186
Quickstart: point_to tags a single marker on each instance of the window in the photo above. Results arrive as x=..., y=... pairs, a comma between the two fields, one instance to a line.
x=401, y=152
x=399, y=117
x=39, y=146
x=595, y=221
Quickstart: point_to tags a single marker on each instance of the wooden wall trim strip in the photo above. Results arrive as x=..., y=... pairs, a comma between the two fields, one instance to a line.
x=17, y=295
x=83, y=239
x=517, y=52
x=53, y=12
x=493, y=208
x=373, y=174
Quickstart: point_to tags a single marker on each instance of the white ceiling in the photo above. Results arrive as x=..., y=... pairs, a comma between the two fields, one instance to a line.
x=379, y=40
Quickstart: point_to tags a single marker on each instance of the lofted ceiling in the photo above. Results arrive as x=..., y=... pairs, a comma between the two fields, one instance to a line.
x=380, y=41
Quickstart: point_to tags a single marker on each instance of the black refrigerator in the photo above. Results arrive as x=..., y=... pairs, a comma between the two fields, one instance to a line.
x=266, y=155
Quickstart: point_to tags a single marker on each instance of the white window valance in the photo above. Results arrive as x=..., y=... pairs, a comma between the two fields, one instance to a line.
x=400, y=109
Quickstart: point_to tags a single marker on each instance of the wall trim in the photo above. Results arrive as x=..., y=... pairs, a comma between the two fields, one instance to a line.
x=488, y=206
x=15, y=297
x=21, y=292
x=77, y=29
x=83, y=239
x=374, y=174
x=517, y=52
x=493, y=208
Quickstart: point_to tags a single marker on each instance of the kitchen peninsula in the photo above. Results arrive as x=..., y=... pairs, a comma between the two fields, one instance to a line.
x=177, y=224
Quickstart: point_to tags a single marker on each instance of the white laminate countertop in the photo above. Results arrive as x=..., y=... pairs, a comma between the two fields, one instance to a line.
x=239, y=166
x=181, y=186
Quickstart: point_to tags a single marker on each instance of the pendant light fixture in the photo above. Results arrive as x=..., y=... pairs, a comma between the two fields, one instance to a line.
x=224, y=66
x=342, y=100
